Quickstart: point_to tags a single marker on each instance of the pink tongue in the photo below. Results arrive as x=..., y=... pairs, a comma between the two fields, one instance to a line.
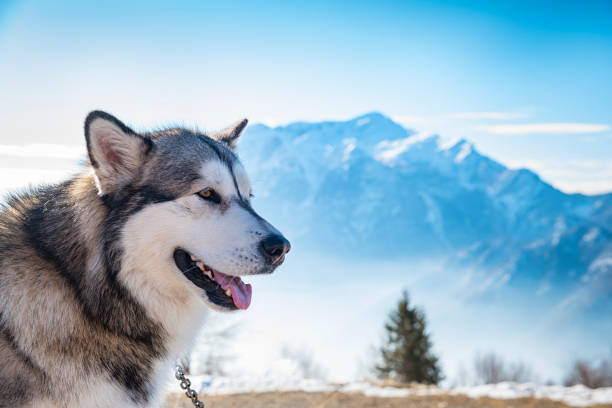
x=241, y=292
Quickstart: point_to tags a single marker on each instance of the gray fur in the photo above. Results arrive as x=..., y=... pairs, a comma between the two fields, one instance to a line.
x=67, y=322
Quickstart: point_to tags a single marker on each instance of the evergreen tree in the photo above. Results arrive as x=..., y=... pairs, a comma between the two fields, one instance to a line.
x=407, y=354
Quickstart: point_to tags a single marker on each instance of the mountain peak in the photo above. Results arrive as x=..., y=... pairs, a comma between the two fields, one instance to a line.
x=377, y=121
x=373, y=116
x=461, y=150
x=369, y=178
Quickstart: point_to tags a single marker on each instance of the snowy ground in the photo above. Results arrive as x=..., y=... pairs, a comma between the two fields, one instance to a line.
x=575, y=396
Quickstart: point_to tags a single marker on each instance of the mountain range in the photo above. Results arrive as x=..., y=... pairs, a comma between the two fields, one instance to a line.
x=370, y=188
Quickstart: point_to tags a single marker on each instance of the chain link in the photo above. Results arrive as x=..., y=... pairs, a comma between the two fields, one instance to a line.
x=186, y=385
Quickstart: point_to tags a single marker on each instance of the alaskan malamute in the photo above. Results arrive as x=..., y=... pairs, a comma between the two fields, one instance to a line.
x=105, y=278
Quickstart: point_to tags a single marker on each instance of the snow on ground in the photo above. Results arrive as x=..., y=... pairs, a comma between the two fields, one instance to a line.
x=576, y=396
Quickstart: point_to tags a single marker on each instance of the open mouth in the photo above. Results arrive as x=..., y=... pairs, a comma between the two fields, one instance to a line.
x=223, y=290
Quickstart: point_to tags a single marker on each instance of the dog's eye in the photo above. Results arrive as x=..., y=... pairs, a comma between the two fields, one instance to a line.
x=209, y=194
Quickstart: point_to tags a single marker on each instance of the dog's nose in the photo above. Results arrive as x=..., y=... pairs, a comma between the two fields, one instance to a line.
x=274, y=247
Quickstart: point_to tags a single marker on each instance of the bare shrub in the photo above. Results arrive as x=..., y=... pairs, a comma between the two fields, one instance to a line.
x=590, y=374
x=463, y=377
x=304, y=359
x=519, y=372
x=490, y=368
x=211, y=353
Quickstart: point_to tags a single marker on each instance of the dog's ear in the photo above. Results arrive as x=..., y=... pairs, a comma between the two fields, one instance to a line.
x=229, y=136
x=115, y=151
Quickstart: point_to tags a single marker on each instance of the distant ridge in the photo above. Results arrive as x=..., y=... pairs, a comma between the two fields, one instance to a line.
x=368, y=187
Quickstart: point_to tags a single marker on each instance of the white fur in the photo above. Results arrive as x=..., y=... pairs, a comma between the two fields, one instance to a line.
x=95, y=393
x=226, y=240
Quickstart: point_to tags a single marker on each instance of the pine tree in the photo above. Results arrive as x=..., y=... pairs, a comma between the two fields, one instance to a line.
x=407, y=354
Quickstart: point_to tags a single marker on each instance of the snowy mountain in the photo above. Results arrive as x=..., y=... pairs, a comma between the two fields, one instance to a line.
x=370, y=188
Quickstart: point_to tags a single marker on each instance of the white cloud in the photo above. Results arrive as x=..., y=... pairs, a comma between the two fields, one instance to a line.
x=43, y=150
x=20, y=178
x=544, y=128
x=408, y=119
x=489, y=115
x=270, y=122
x=588, y=176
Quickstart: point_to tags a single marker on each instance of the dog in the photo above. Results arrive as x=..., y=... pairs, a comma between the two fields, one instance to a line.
x=106, y=277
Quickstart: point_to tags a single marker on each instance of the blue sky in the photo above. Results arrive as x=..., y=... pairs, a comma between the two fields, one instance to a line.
x=528, y=82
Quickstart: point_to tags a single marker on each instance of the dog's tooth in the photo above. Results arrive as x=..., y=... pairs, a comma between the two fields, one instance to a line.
x=228, y=292
x=207, y=273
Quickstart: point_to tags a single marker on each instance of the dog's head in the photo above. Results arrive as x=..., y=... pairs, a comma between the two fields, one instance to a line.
x=180, y=204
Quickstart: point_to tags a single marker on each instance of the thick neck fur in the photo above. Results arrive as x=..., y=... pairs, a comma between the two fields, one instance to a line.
x=71, y=227
x=117, y=322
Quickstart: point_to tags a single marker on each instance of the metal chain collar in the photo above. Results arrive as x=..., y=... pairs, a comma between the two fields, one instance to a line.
x=185, y=384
